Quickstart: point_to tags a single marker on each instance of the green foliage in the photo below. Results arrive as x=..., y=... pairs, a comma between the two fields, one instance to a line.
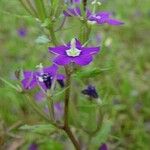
x=40, y=129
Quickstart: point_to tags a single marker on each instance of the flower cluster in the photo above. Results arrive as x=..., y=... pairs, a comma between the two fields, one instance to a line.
x=73, y=52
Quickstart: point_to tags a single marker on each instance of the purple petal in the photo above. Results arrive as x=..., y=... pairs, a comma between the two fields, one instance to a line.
x=27, y=74
x=90, y=50
x=83, y=60
x=58, y=110
x=104, y=14
x=78, y=44
x=29, y=83
x=39, y=96
x=52, y=70
x=62, y=60
x=60, y=77
x=103, y=147
x=33, y=146
x=88, y=13
x=58, y=49
x=114, y=22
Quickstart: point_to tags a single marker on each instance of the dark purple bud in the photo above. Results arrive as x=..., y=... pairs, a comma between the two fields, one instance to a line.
x=22, y=32
x=90, y=91
x=103, y=147
x=33, y=146
x=61, y=83
x=47, y=79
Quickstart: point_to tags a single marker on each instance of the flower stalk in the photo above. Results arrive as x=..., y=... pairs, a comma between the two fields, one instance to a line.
x=66, y=127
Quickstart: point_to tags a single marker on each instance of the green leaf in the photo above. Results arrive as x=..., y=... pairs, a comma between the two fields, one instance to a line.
x=41, y=128
x=92, y=72
x=8, y=83
x=103, y=134
x=42, y=39
x=46, y=23
x=40, y=9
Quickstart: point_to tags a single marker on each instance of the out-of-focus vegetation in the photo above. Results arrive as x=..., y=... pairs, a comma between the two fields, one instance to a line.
x=123, y=83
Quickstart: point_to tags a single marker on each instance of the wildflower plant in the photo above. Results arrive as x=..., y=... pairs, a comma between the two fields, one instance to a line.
x=69, y=54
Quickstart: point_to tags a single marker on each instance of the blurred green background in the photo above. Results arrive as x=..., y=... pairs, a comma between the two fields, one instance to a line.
x=124, y=85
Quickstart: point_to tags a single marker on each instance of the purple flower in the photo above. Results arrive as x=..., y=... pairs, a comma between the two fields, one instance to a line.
x=103, y=17
x=22, y=32
x=42, y=77
x=73, y=52
x=103, y=147
x=94, y=18
x=90, y=91
x=33, y=146
x=40, y=96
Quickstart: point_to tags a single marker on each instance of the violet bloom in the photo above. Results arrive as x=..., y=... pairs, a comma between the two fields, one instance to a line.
x=42, y=77
x=90, y=91
x=103, y=147
x=73, y=52
x=33, y=146
x=22, y=32
x=94, y=18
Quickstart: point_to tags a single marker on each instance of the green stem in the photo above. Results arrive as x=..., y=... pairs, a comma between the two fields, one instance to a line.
x=32, y=8
x=38, y=110
x=40, y=9
x=66, y=111
x=67, y=95
x=27, y=9
x=52, y=34
x=51, y=108
x=84, y=4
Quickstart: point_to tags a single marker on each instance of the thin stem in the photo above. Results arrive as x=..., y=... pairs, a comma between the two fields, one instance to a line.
x=52, y=34
x=66, y=114
x=67, y=96
x=38, y=110
x=27, y=9
x=72, y=138
x=51, y=107
x=84, y=4
x=32, y=8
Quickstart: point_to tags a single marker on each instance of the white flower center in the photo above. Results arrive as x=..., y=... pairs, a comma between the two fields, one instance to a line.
x=97, y=17
x=73, y=51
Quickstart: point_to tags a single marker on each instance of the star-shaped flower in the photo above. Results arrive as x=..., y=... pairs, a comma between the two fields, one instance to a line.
x=73, y=52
